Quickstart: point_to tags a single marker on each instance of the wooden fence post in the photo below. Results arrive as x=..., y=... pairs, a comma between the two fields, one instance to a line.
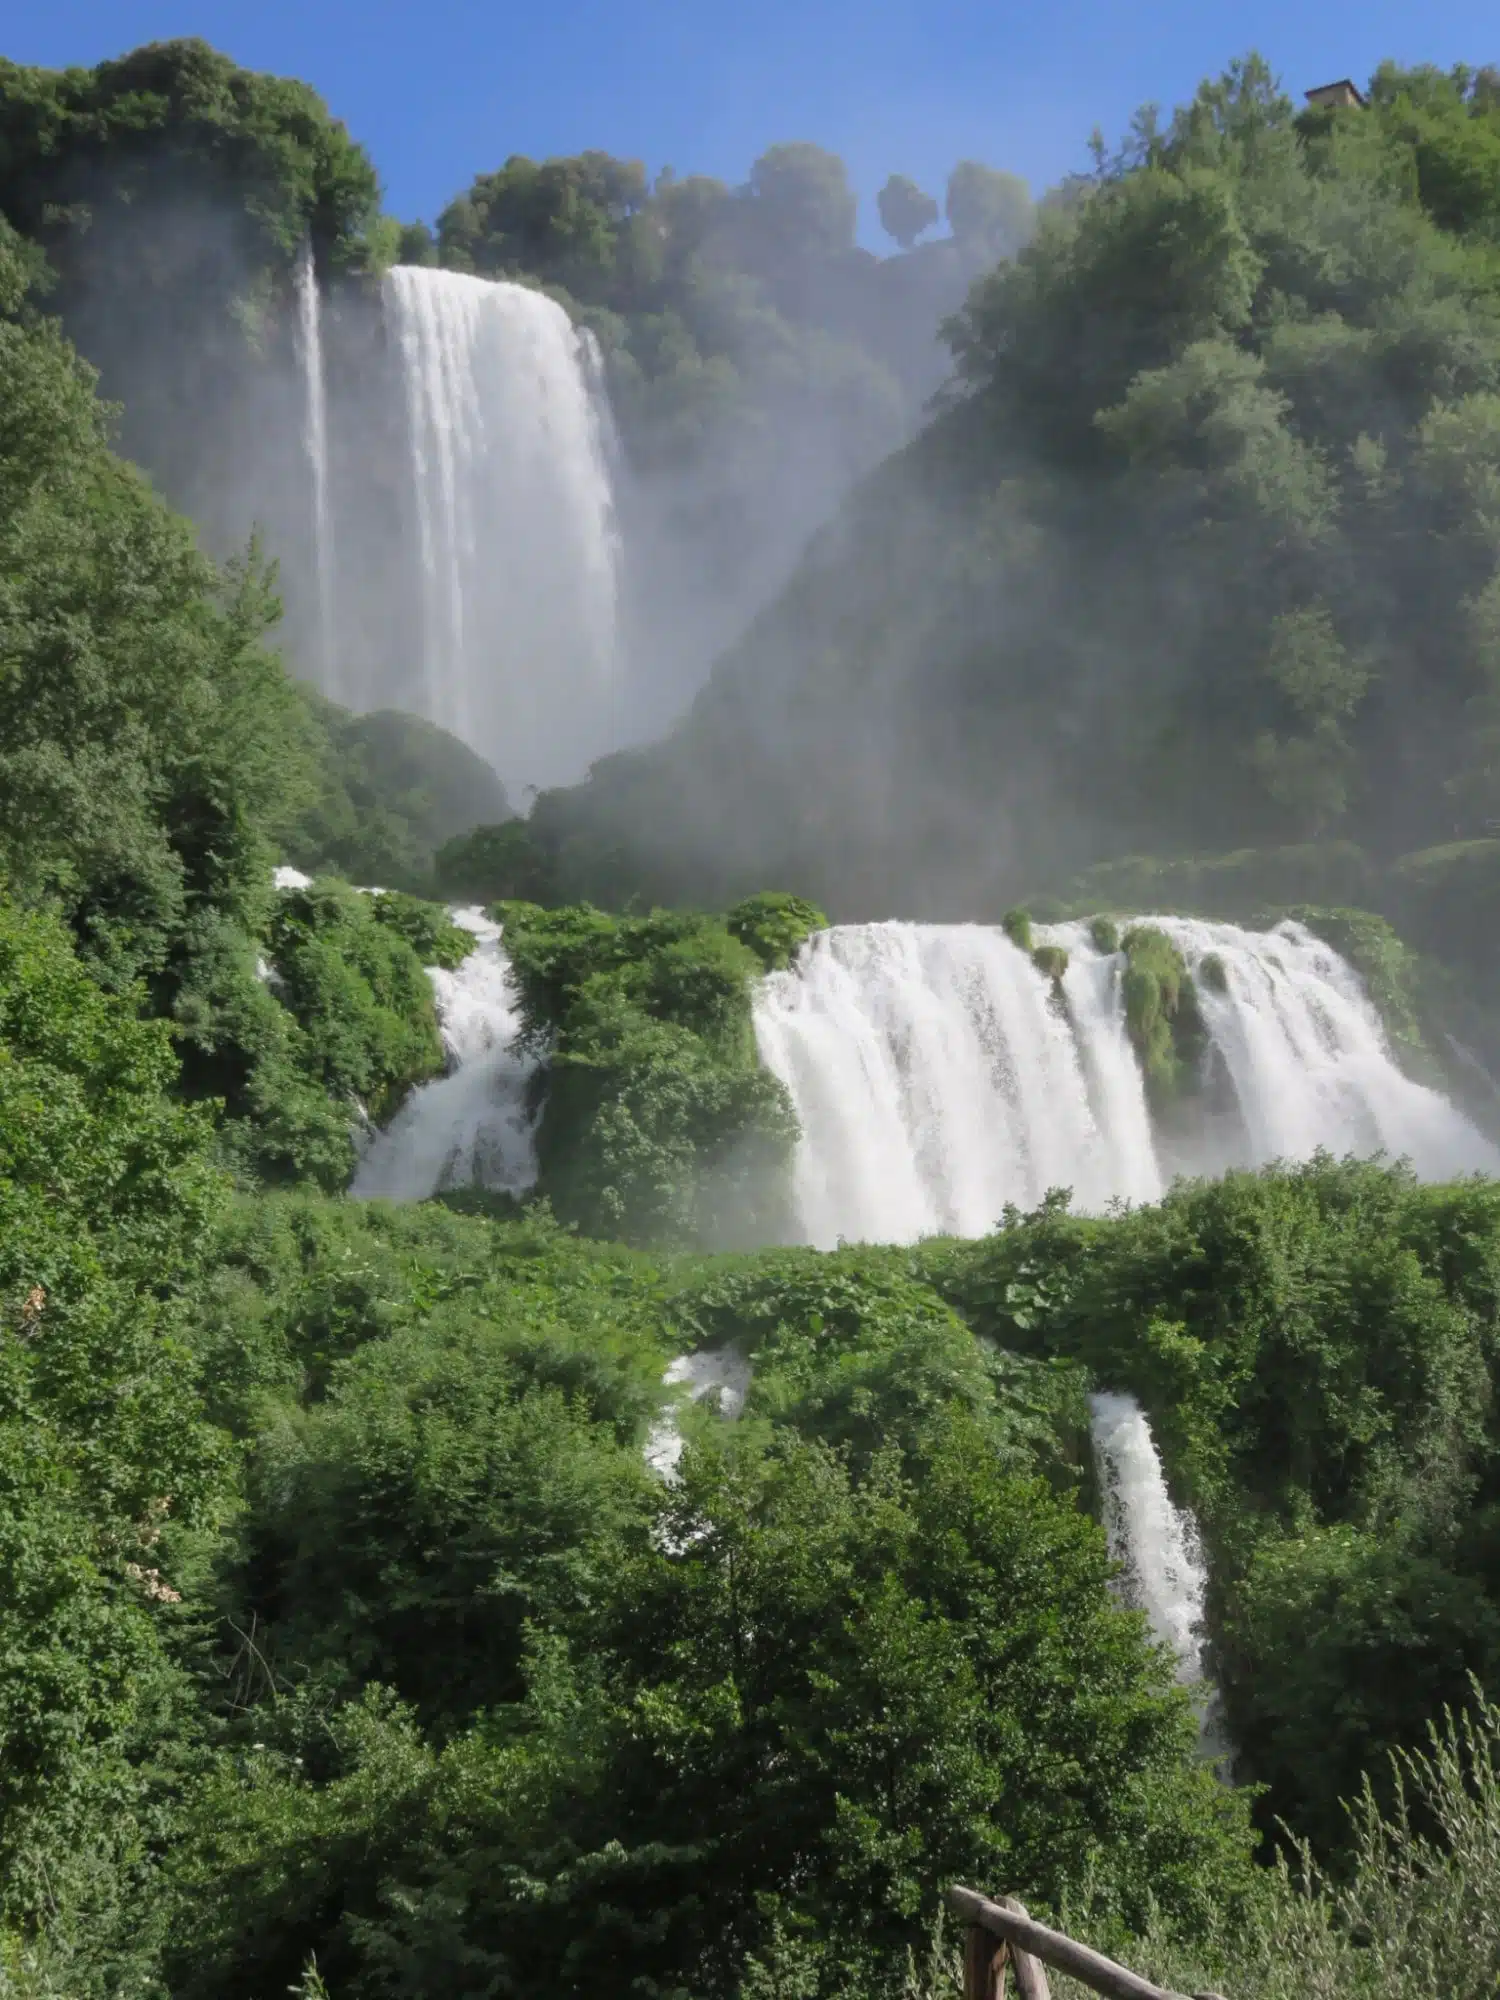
x=1031, y=1974
x=984, y=1965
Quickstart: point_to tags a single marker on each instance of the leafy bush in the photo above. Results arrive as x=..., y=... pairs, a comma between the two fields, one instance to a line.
x=358, y=991
x=659, y=1124
x=393, y=792
x=496, y=864
x=1051, y=960
x=427, y=928
x=774, y=926
x=113, y=1482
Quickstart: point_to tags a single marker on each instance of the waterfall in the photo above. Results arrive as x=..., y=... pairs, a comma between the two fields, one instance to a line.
x=724, y=1369
x=514, y=522
x=315, y=445
x=1155, y=1543
x=472, y=1127
x=1308, y=1059
x=938, y=1075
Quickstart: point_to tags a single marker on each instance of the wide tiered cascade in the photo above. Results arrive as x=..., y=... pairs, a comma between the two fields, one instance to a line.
x=938, y=1074
x=512, y=521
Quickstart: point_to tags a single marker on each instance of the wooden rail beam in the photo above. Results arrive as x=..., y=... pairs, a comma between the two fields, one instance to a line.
x=1001, y=1932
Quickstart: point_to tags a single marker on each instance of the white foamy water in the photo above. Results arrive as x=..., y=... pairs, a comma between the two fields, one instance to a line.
x=938, y=1076
x=315, y=447
x=472, y=1127
x=1308, y=1057
x=723, y=1369
x=514, y=522
x=1155, y=1543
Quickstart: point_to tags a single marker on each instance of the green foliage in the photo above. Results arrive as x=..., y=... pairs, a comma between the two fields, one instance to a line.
x=171, y=190
x=1051, y=960
x=352, y=981
x=392, y=791
x=905, y=211
x=148, y=743
x=856, y=1648
x=988, y=208
x=110, y=1473
x=426, y=927
x=1149, y=583
x=1105, y=934
x=1161, y=1014
x=496, y=864
x=659, y=1124
x=1017, y=927
x=1413, y=1911
x=774, y=926
x=1315, y=1347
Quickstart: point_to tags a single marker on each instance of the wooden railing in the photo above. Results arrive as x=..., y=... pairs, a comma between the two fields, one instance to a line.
x=1002, y=1935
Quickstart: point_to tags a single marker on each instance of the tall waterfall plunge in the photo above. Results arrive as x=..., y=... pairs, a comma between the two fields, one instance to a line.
x=513, y=522
x=937, y=1076
x=315, y=448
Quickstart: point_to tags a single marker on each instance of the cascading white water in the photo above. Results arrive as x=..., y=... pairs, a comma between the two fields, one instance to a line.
x=315, y=445
x=514, y=522
x=1154, y=1542
x=937, y=1075
x=1308, y=1059
x=723, y=1369
x=472, y=1127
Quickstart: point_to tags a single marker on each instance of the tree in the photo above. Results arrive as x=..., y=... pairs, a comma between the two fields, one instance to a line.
x=804, y=207
x=905, y=211
x=988, y=210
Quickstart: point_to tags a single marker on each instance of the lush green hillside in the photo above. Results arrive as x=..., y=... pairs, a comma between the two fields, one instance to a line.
x=1201, y=555
x=362, y=1629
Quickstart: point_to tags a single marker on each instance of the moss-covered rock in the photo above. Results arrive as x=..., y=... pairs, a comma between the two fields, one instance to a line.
x=1105, y=933
x=1017, y=927
x=1162, y=1015
x=1051, y=960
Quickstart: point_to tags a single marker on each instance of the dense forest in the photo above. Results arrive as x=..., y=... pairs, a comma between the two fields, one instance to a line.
x=375, y=1620
x=1199, y=557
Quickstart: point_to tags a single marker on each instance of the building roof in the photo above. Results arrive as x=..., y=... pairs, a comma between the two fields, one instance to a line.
x=1345, y=91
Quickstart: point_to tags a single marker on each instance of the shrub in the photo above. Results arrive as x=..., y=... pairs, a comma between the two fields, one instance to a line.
x=1017, y=927
x=1051, y=960
x=774, y=926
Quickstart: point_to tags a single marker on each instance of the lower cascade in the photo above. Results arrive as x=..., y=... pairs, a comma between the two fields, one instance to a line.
x=938, y=1075
x=472, y=1127
x=1154, y=1542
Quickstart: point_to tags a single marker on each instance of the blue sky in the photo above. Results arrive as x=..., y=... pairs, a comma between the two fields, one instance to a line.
x=441, y=91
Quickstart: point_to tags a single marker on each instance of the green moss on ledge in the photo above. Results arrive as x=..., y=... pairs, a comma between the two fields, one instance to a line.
x=1051, y=960
x=1162, y=1015
x=1016, y=925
